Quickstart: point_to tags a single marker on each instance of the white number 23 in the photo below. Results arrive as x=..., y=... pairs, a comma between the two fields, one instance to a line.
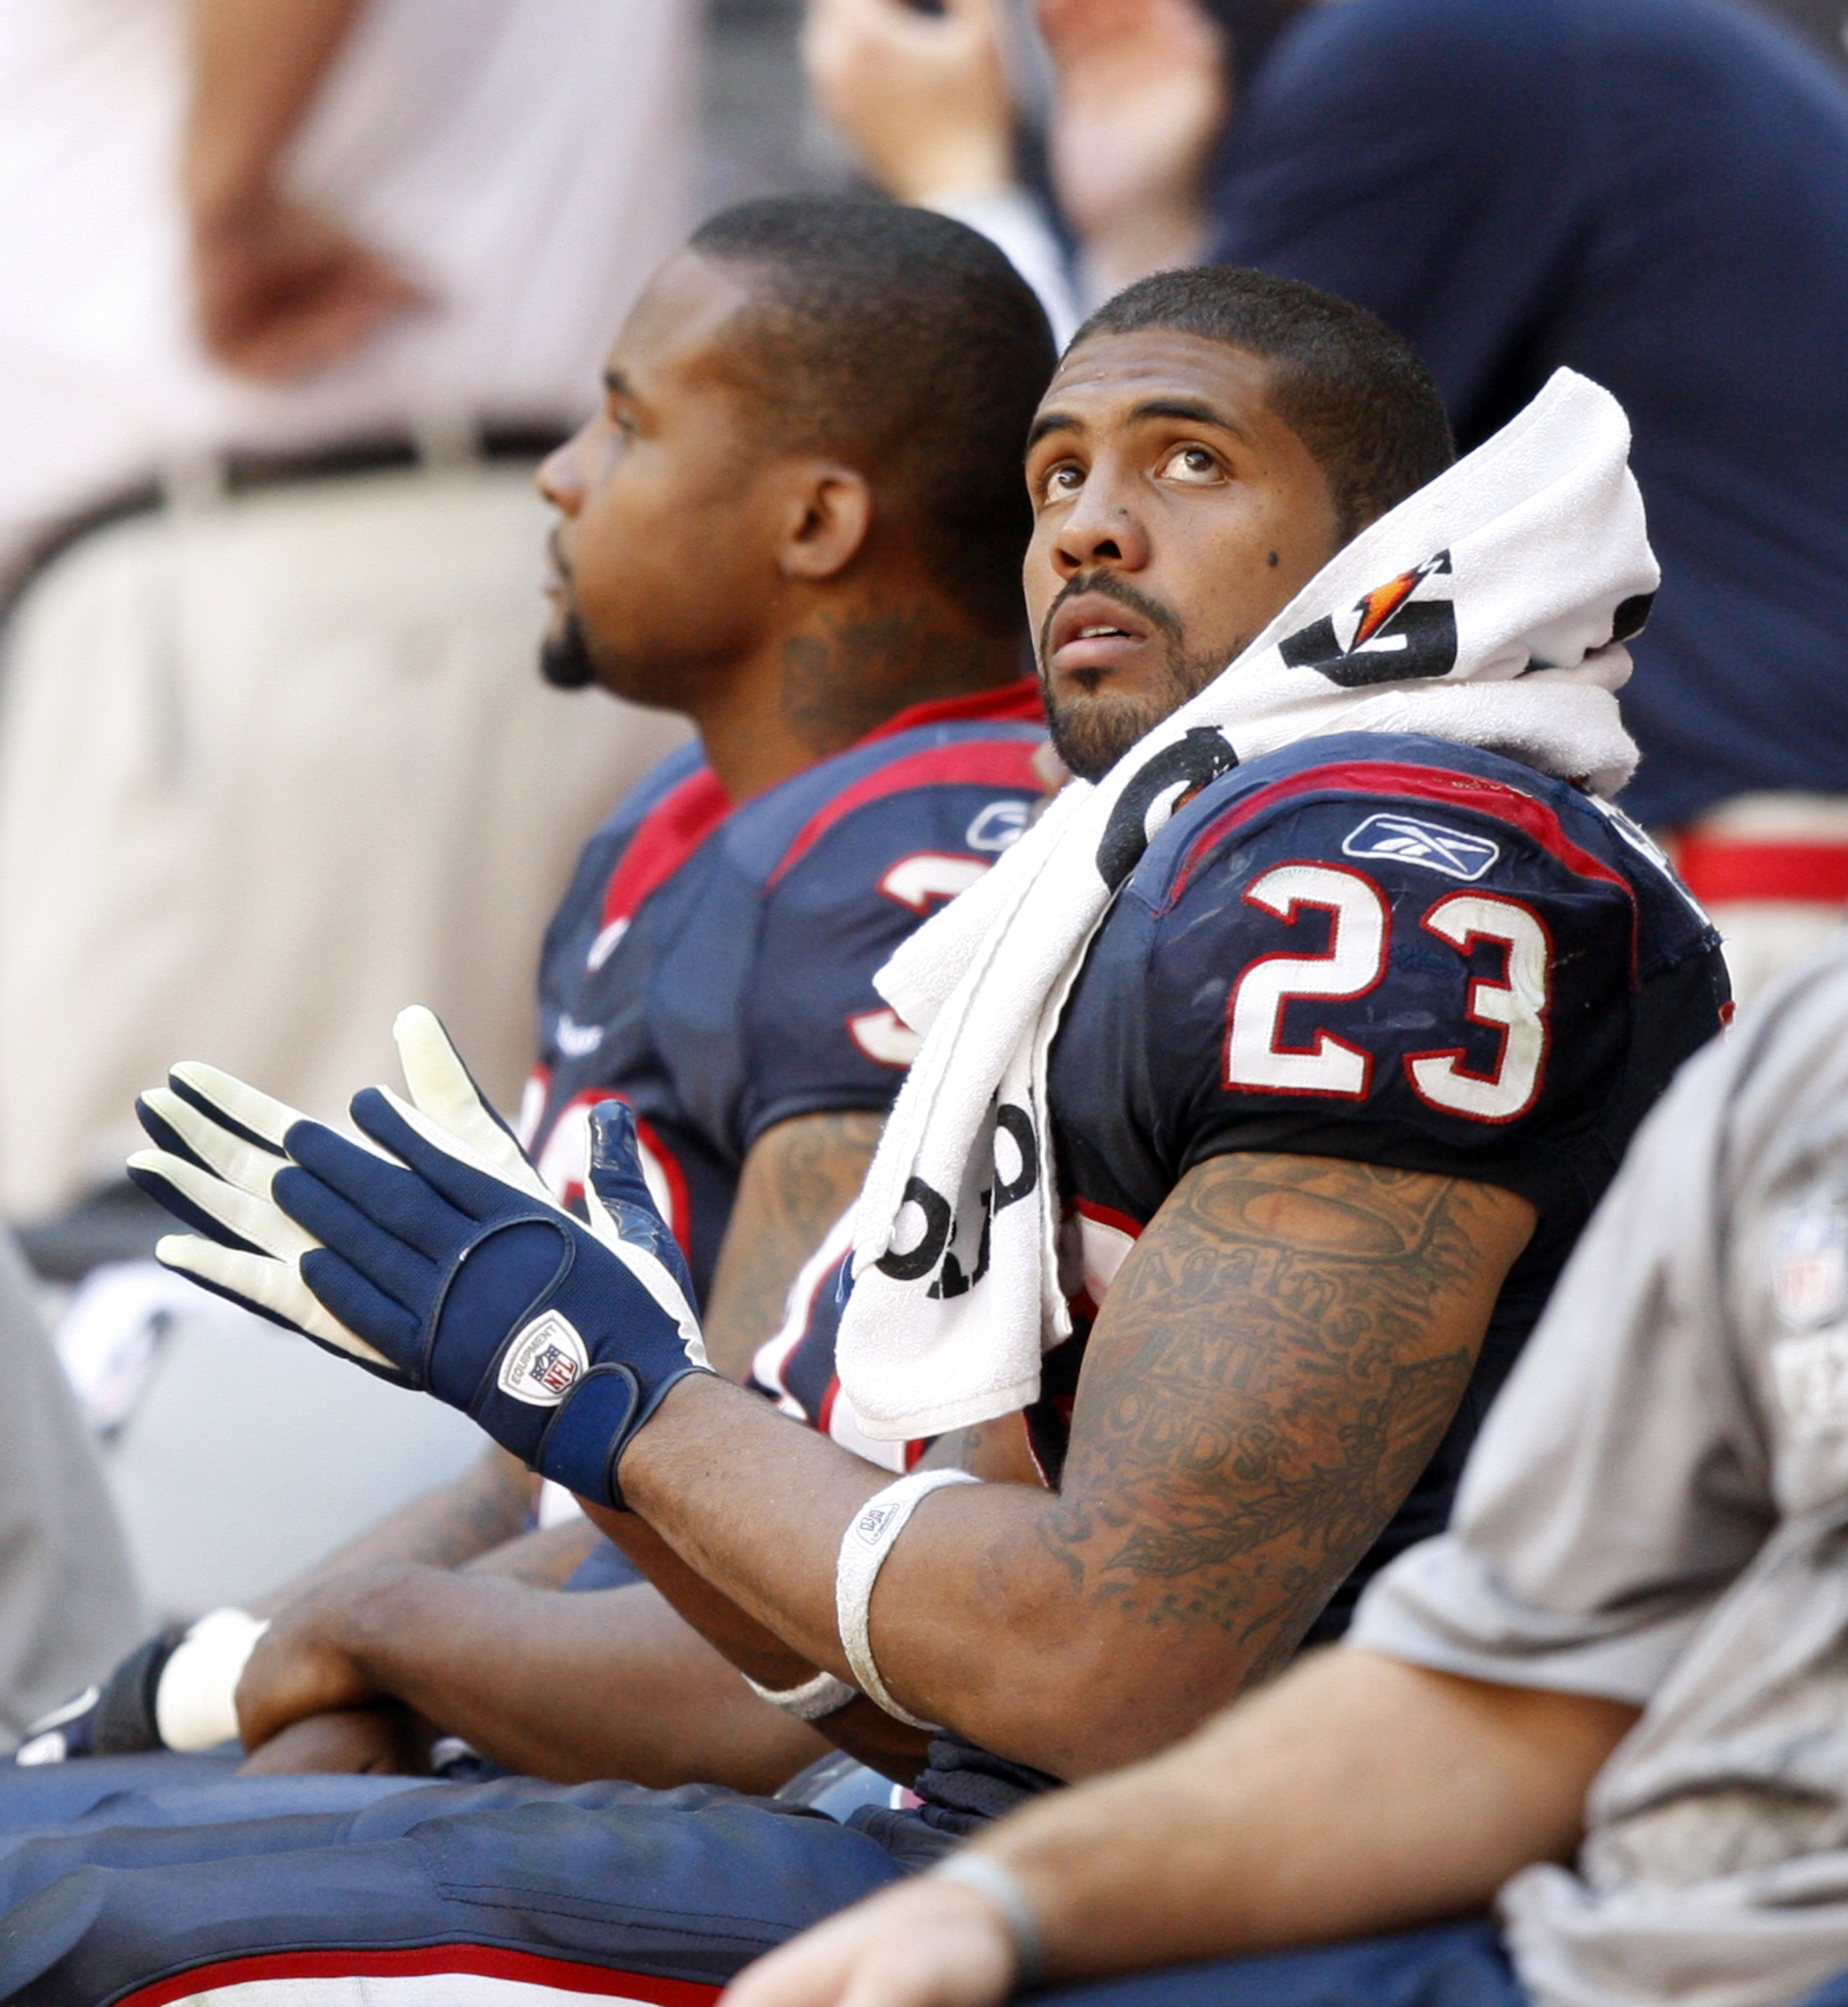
x=1359, y=940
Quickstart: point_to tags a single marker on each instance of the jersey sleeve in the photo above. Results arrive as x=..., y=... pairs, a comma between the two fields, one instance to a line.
x=818, y=1036
x=1365, y=978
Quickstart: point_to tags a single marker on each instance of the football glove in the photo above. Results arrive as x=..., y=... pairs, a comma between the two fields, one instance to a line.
x=438, y=1260
x=176, y=1690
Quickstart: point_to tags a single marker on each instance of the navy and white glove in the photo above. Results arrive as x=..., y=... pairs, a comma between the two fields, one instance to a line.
x=176, y=1690
x=116, y=1718
x=438, y=1261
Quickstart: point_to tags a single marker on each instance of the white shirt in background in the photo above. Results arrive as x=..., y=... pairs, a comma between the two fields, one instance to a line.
x=527, y=161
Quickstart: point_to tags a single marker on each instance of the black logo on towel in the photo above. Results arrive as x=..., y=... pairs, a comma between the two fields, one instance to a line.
x=1203, y=754
x=934, y=1248
x=1396, y=637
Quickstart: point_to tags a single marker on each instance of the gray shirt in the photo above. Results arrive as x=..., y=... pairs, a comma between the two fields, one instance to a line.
x=1657, y=1512
x=67, y=1606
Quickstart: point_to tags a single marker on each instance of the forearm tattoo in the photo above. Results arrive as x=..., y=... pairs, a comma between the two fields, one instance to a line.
x=1277, y=1361
x=800, y=1178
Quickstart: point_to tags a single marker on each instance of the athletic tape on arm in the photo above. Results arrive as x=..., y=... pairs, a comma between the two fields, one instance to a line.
x=869, y=1537
x=193, y=1703
x=814, y=1700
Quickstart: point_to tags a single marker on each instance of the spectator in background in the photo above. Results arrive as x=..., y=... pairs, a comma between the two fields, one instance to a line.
x=1653, y=192
x=68, y=1608
x=296, y=296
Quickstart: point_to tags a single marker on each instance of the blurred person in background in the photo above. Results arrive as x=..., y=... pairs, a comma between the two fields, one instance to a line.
x=297, y=297
x=1652, y=191
x=67, y=1606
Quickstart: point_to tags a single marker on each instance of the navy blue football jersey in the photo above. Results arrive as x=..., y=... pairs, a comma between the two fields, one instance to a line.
x=712, y=966
x=1391, y=949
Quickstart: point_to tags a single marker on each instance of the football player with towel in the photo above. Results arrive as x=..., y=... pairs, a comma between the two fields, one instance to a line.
x=1265, y=1086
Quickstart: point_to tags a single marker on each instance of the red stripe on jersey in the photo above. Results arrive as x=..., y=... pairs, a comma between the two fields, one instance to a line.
x=993, y=763
x=687, y=814
x=1106, y=1216
x=1426, y=783
x=1011, y=704
x=477, y=1961
x=668, y=835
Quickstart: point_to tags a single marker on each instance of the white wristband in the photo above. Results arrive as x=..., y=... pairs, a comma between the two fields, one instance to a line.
x=869, y=1539
x=192, y=1699
x=814, y=1700
x=1001, y=1886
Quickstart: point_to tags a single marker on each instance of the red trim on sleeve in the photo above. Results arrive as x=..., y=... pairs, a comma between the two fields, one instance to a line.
x=433, y=1962
x=668, y=835
x=1428, y=783
x=993, y=763
x=1107, y=1215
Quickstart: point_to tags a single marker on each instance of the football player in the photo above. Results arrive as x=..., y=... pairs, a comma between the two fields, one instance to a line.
x=810, y=546
x=1363, y=1034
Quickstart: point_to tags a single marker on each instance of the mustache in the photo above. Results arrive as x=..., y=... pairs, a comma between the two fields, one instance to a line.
x=1107, y=585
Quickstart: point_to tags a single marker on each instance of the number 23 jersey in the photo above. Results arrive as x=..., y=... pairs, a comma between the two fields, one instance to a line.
x=1390, y=949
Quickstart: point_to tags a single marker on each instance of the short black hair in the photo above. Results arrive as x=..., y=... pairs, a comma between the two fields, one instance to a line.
x=1357, y=395
x=908, y=344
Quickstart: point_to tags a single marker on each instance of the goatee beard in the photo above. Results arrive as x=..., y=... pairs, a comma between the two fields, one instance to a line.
x=1092, y=734
x=565, y=657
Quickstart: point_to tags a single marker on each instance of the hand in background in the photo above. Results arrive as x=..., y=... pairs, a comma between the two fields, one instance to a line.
x=281, y=291
x=302, y=1666
x=362, y=1741
x=1142, y=97
x=922, y=98
x=925, y=1943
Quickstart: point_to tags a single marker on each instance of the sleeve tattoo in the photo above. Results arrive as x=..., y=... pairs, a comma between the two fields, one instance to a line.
x=800, y=1177
x=1275, y=1364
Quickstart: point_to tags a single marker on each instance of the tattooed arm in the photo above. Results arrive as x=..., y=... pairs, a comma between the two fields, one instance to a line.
x=799, y=1178
x=1268, y=1382
x=1277, y=1359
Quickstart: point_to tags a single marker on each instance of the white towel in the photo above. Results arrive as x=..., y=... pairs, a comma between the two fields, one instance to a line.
x=1488, y=610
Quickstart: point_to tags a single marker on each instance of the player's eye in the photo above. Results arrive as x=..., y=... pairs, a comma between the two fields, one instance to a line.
x=1195, y=465
x=1061, y=482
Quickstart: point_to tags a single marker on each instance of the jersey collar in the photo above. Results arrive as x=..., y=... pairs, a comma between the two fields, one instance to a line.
x=1017, y=703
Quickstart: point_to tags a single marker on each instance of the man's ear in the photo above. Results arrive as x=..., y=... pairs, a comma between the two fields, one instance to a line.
x=829, y=514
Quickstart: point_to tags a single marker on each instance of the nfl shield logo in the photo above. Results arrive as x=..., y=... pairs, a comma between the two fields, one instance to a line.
x=545, y=1360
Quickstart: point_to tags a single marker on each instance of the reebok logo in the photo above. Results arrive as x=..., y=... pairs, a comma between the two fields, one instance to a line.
x=577, y=1041
x=546, y=1359
x=998, y=825
x=1409, y=840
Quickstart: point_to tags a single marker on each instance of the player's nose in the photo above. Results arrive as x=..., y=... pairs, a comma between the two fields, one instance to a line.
x=1100, y=528
x=560, y=478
